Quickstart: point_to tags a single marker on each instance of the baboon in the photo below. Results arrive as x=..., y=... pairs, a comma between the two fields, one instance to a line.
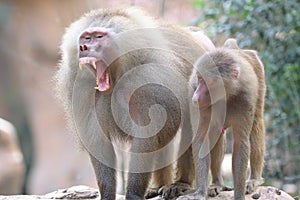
x=131, y=85
x=229, y=89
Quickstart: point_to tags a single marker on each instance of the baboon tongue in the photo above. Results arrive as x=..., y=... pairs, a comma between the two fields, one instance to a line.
x=103, y=77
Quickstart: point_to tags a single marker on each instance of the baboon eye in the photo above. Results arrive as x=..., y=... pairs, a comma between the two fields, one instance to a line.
x=87, y=37
x=98, y=36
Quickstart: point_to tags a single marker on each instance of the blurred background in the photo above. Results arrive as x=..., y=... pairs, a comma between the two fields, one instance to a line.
x=38, y=153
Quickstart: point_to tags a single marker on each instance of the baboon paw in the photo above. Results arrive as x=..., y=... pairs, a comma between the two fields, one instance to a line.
x=226, y=188
x=175, y=190
x=153, y=192
x=193, y=196
x=214, y=190
x=252, y=184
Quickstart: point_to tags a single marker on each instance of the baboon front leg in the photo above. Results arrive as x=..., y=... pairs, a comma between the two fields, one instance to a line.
x=217, y=156
x=241, y=151
x=105, y=176
x=202, y=159
x=138, y=179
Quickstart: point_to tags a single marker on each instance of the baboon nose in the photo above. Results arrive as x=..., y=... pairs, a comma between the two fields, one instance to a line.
x=83, y=47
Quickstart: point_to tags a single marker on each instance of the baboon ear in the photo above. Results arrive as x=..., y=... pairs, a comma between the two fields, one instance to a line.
x=236, y=72
x=231, y=43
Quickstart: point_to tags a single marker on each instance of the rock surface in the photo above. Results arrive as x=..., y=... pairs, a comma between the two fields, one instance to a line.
x=87, y=193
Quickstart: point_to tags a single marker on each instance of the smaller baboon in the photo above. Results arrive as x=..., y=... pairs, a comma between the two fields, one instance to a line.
x=229, y=88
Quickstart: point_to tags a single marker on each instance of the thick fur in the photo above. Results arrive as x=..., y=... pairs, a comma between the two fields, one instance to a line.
x=242, y=75
x=167, y=45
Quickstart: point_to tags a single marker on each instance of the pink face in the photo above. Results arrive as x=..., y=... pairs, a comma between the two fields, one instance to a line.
x=208, y=91
x=93, y=42
x=201, y=94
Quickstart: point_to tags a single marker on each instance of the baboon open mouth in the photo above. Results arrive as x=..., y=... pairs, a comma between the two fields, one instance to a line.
x=99, y=68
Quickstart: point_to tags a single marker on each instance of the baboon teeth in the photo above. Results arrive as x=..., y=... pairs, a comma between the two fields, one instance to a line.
x=87, y=60
x=94, y=64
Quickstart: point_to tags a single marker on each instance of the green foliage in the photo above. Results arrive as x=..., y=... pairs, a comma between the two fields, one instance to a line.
x=272, y=28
